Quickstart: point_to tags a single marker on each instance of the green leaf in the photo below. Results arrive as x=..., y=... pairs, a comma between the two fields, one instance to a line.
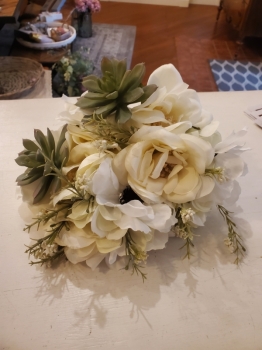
x=95, y=95
x=107, y=65
x=84, y=102
x=30, y=145
x=42, y=189
x=39, y=157
x=61, y=139
x=51, y=140
x=47, y=169
x=106, y=110
x=63, y=157
x=56, y=185
x=132, y=95
x=112, y=95
x=108, y=84
x=123, y=114
x=30, y=175
x=42, y=141
x=28, y=161
x=120, y=72
x=132, y=79
x=92, y=85
x=148, y=91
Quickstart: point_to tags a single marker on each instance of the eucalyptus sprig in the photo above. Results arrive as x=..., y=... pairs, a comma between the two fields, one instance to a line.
x=234, y=240
x=135, y=256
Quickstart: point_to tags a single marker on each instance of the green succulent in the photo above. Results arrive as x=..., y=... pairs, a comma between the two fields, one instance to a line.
x=116, y=89
x=40, y=160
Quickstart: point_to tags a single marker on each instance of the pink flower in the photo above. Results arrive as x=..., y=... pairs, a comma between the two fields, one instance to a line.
x=88, y=5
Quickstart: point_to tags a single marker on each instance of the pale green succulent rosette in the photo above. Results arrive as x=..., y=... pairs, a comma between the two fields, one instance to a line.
x=40, y=158
x=117, y=89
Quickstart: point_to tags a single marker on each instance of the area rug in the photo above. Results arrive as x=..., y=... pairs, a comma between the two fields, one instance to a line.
x=108, y=40
x=232, y=75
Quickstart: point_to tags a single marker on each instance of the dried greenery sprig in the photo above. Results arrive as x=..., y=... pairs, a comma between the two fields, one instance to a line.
x=234, y=239
x=183, y=229
x=47, y=215
x=135, y=256
x=110, y=132
x=45, y=250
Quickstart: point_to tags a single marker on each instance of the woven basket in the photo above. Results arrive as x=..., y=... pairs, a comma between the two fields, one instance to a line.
x=18, y=76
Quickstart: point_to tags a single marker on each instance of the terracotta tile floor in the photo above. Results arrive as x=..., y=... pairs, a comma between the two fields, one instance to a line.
x=185, y=37
x=193, y=55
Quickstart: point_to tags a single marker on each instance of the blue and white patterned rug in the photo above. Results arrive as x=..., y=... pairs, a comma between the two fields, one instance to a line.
x=232, y=75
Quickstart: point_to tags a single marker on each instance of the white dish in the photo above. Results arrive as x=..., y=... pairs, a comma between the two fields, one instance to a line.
x=52, y=45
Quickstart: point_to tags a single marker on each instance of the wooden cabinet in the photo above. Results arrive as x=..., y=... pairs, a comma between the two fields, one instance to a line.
x=244, y=15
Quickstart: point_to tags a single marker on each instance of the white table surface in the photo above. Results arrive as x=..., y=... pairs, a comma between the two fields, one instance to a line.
x=206, y=303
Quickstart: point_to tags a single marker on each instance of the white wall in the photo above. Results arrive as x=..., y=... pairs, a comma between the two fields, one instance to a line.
x=182, y=3
x=205, y=2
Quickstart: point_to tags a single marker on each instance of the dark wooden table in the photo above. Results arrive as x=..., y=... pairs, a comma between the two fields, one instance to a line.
x=10, y=10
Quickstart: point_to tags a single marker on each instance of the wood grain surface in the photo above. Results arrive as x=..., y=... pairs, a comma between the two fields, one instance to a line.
x=11, y=9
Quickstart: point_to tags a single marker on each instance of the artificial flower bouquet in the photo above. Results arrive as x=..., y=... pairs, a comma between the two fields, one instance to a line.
x=87, y=6
x=132, y=166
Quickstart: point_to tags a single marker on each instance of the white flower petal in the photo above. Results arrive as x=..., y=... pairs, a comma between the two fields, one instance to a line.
x=209, y=129
x=167, y=76
x=148, y=116
x=105, y=246
x=77, y=255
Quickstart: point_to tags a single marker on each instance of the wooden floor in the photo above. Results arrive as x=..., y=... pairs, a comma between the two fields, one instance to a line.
x=186, y=37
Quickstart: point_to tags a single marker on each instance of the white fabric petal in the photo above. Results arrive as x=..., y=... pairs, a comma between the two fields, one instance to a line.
x=167, y=76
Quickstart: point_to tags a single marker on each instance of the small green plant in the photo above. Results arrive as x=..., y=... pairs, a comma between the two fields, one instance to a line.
x=69, y=73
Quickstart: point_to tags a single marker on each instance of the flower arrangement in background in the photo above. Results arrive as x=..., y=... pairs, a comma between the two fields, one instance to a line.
x=91, y=6
x=133, y=166
x=69, y=73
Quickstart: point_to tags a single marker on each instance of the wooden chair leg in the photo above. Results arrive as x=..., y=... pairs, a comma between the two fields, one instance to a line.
x=220, y=8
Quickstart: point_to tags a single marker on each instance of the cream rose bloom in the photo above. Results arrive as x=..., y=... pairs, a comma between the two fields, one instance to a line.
x=172, y=102
x=161, y=166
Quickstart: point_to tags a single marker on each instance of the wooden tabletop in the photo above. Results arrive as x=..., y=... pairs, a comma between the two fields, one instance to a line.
x=10, y=10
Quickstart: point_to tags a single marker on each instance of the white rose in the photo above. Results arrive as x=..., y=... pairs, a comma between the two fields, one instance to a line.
x=162, y=166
